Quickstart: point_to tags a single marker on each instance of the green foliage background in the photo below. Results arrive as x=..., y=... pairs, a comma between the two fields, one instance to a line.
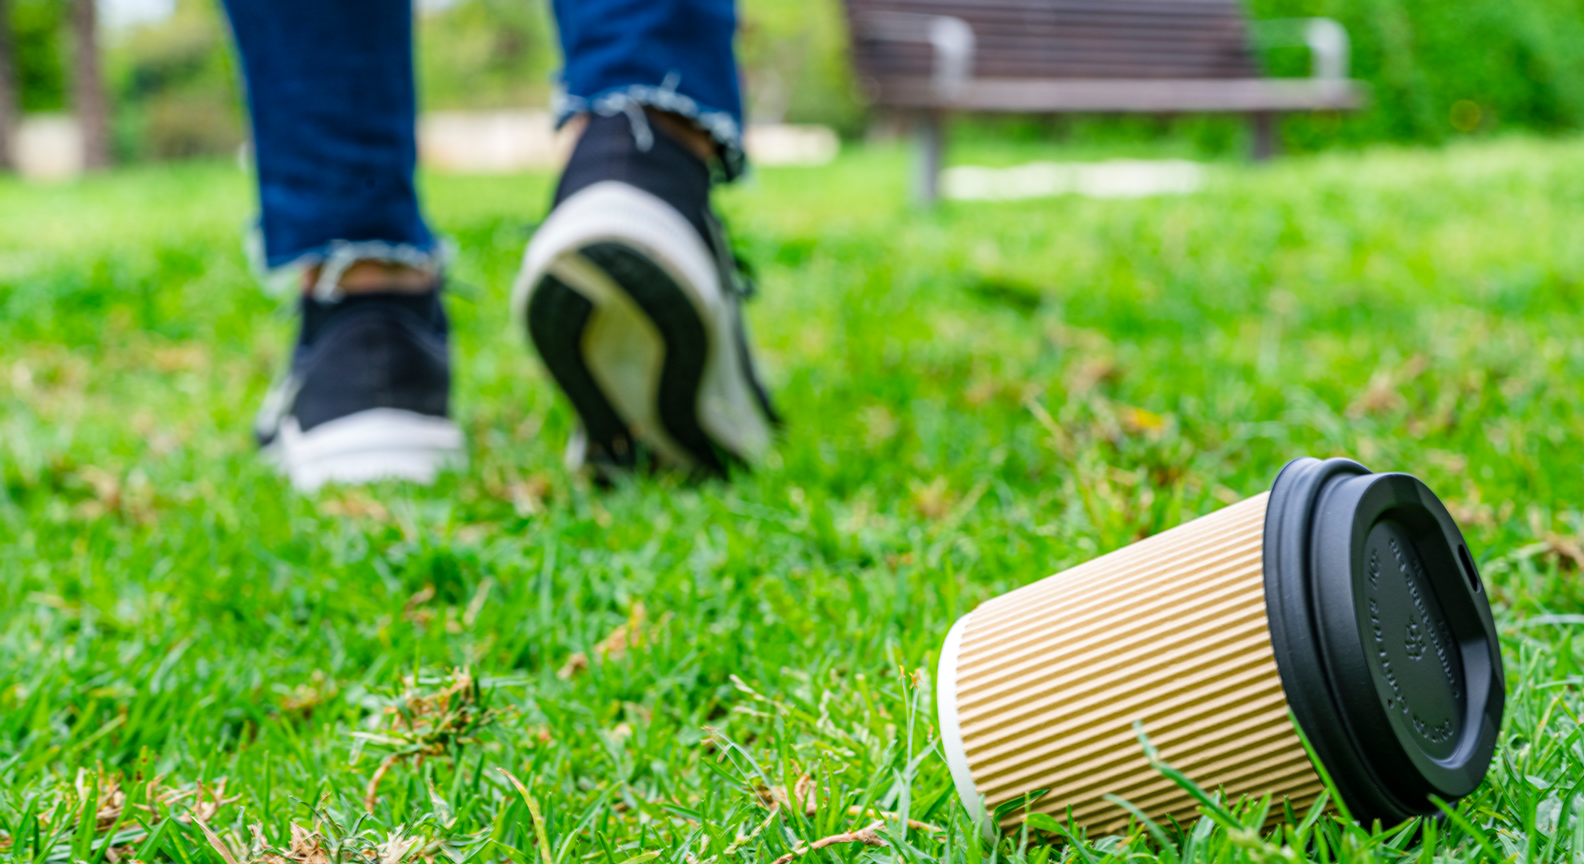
x=487, y=54
x=36, y=28
x=1521, y=63
x=176, y=87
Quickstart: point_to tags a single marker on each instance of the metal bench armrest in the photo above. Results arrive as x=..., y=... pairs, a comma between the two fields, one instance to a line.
x=951, y=38
x=1326, y=39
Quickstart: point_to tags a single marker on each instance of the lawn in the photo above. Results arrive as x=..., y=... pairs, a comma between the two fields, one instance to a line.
x=978, y=396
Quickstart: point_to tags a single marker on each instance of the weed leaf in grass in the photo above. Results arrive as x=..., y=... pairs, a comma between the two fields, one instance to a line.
x=1212, y=807
x=542, y=837
x=1048, y=823
x=1021, y=802
x=1165, y=846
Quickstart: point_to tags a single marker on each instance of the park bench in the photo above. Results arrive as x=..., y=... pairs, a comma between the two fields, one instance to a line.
x=928, y=58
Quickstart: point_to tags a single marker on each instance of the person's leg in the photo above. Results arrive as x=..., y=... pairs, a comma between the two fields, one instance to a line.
x=671, y=55
x=629, y=290
x=330, y=87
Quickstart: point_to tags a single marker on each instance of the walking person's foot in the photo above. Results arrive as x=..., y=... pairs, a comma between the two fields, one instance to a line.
x=367, y=393
x=632, y=298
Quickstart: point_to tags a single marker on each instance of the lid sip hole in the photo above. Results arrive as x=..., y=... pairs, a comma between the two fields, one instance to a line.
x=1468, y=568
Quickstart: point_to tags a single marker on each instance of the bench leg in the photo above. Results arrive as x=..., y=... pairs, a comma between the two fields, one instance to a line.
x=1265, y=143
x=931, y=133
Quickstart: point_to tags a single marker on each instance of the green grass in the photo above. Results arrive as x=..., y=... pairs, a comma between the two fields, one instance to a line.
x=978, y=397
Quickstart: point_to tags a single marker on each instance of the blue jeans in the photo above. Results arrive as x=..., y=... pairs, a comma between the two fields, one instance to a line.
x=330, y=87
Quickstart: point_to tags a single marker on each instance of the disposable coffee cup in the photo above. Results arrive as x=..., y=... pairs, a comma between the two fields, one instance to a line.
x=1343, y=601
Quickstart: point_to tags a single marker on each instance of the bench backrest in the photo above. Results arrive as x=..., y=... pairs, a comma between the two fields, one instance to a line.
x=1060, y=39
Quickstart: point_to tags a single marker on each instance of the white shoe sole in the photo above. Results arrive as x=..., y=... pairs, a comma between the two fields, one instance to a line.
x=377, y=444
x=621, y=345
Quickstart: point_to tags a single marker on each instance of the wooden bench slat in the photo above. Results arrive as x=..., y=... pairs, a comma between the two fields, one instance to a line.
x=1154, y=27
x=1140, y=96
x=1063, y=53
x=968, y=9
x=1121, y=40
x=1078, y=56
x=1057, y=19
x=1129, y=39
x=1074, y=65
x=1086, y=70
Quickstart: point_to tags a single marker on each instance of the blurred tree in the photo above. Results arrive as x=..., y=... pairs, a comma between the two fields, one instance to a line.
x=8, y=91
x=1439, y=70
x=89, y=100
x=795, y=66
x=486, y=54
x=176, y=91
x=37, y=30
x=502, y=53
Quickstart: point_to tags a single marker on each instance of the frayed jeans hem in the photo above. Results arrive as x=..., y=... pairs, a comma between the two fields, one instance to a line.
x=631, y=99
x=335, y=258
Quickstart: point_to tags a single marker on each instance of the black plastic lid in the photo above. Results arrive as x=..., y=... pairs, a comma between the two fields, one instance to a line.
x=1383, y=636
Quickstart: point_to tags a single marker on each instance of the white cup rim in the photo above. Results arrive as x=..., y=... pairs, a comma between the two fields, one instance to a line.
x=951, y=730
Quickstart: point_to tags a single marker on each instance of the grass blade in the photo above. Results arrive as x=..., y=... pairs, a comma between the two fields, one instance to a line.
x=1325, y=776
x=1168, y=850
x=1475, y=834
x=534, y=812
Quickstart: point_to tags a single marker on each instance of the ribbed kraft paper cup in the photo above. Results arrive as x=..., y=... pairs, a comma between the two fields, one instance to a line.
x=1343, y=600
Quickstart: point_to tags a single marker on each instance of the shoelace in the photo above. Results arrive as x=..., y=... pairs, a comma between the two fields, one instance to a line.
x=736, y=273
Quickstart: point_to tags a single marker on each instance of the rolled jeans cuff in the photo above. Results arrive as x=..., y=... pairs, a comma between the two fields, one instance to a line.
x=631, y=99
x=336, y=257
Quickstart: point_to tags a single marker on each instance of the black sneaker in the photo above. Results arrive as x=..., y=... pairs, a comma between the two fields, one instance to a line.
x=631, y=295
x=367, y=394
